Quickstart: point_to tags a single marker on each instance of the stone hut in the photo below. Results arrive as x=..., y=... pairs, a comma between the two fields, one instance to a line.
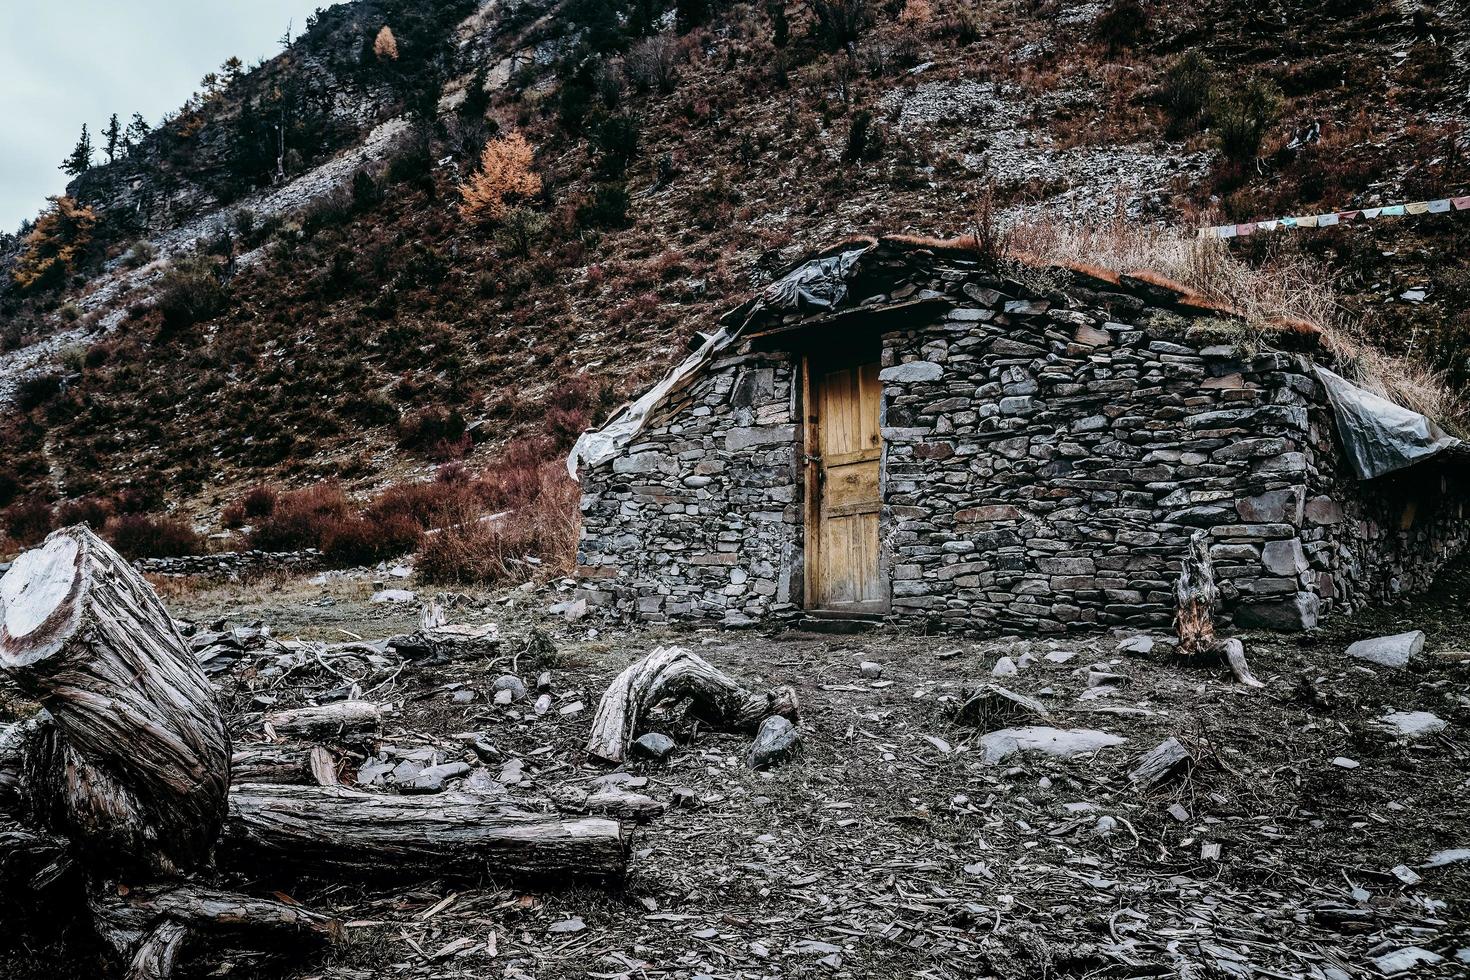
x=892, y=430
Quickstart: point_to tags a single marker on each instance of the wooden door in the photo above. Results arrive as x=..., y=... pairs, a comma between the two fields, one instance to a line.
x=844, y=447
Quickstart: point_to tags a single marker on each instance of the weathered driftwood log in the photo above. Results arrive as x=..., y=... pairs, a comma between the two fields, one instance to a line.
x=335, y=720
x=134, y=765
x=1197, y=600
x=148, y=928
x=343, y=832
x=674, y=674
x=290, y=763
x=612, y=802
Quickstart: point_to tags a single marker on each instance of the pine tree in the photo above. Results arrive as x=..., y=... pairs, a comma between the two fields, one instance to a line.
x=385, y=46
x=79, y=161
x=58, y=239
x=505, y=171
x=233, y=69
x=113, y=135
x=137, y=129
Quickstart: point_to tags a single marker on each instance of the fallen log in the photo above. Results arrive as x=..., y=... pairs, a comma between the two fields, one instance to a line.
x=149, y=928
x=133, y=764
x=342, y=832
x=336, y=720
x=124, y=778
x=290, y=762
x=674, y=674
x=1197, y=599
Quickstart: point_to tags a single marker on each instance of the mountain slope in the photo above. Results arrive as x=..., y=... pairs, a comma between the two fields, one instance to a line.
x=356, y=325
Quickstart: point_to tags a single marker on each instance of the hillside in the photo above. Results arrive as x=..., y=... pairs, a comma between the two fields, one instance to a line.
x=325, y=311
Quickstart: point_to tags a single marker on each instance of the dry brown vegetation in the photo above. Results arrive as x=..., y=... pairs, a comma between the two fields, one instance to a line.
x=505, y=174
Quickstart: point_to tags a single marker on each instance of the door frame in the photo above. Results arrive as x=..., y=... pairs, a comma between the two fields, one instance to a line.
x=851, y=354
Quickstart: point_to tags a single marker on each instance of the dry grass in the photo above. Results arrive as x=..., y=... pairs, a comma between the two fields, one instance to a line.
x=1286, y=291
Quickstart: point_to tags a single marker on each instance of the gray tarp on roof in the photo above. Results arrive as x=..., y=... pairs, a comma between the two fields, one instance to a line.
x=1379, y=436
x=820, y=284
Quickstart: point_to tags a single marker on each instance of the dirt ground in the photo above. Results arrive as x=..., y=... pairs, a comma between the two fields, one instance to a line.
x=890, y=848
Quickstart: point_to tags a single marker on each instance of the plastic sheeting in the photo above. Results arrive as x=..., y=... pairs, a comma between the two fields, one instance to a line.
x=597, y=445
x=1379, y=436
x=820, y=284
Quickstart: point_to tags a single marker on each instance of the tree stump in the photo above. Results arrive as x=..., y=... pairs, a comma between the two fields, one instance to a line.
x=1197, y=599
x=674, y=673
x=134, y=765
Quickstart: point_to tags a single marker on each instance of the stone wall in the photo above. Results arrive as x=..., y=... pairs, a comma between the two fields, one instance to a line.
x=1373, y=542
x=700, y=516
x=231, y=564
x=1047, y=455
x=1046, y=467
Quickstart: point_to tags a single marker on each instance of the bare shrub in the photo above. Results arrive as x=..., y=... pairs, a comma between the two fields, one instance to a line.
x=992, y=237
x=189, y=292
x=1187, y=89
x=653, y=63
x=28, y=521
x=1243, y=118
x=299, y=518
x=471, y=548
x=90, y=511
x=149, y=536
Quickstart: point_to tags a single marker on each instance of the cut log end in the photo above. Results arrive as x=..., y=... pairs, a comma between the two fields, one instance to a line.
x=37, y=597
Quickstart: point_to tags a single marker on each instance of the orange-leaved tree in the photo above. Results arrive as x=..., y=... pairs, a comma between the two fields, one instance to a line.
x=505, y=172
x=385, y=46
x=62, y=233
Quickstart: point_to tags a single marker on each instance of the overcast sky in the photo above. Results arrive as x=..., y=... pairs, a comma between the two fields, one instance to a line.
x=68, y=62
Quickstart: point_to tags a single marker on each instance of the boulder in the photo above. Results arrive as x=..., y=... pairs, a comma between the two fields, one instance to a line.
x=655, y=746
x=777, y=740
x=1414, y=724
x=1296, y=613
x=1063, y=743
x=511, y=684
x=1388, y=651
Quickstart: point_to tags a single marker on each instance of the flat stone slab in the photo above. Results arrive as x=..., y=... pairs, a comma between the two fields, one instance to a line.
x=1414, y=724
x=1388, y=651
x=1063, y=743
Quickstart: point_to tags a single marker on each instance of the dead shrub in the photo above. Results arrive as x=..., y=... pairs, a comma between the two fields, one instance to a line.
x=149, y=536
x=428, y=427
x=1285, y=287
x=364, y=540
x=300, y=518
x=91, y=511
x=474, y=549
x=28, y=521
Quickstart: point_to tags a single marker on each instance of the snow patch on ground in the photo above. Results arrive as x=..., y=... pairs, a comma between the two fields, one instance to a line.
x=116, y=283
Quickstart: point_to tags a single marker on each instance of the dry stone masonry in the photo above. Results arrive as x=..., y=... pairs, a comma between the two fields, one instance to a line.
x=1048, y=448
